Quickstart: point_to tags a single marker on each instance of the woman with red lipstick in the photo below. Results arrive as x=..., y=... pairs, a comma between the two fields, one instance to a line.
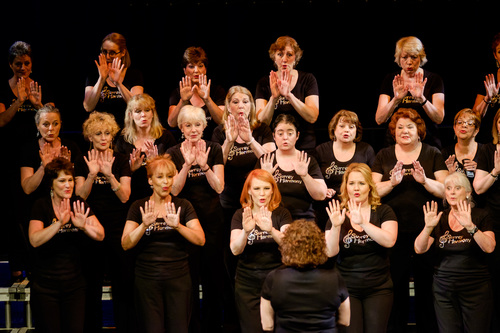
x=408, y=174
x=462, y=156
x=413, y=87
x=297, y=174
x=115, y=82
x=143, y=137
x=160, y=227
x=289, y=91
x=197, y=90
x=461, y=237
x=200, y=180
x=103, y=180
x=334, y=156
x=256, y=232
x=59, y=226
x=361, y=230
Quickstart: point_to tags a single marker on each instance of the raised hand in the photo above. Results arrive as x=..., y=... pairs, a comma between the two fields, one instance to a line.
x=136, y=159
x=116, y=71
x=186, y=88
x=188, y=152
x=202, y=154
x=418, y=173
x=416, y=89
x=248, y=221
x=463, y=214
x=203, y=87
x=399, y=88
x=47, y=154
x=336, y=215
x=266, y=163
x=106, y=160
x=244, y=128
x=431, y=216
x=148, y=213
x=22, y=89
x=397, y=173
x=79, y=214
x=273, y=84
x=64, y=152
x=231, y=128
x=64, y=211
x=102, y=66
x=491, y=87
x=35, y=93
x=451, y=164
x=150, y=149
x=301, y=167
x=355, y=212
x=172, y=217
x=263, y=219
x=284, y=83
x=93, y=162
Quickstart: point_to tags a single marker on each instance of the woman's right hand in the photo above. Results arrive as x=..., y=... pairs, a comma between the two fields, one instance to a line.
x=266, y=163
x=336, y=215
x=490, y=87
x=186, y=88
x=148, y=213
x=399, y=88
x=231, y=128
x=431, y=215
x=188, y=152
x=102, y=66
x=451, y=164
x=248, y=221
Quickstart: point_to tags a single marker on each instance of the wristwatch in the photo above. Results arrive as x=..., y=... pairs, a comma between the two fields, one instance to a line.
x=473, y=231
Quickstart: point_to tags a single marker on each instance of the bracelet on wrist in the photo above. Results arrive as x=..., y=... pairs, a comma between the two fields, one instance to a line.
x=250, y=142
x=484, y=100
x=494, y=177
x=423, y=103
x=208, y=168
x=116, y=188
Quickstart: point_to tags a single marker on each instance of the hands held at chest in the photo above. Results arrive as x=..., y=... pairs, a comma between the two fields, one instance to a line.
x=170, y=215
x=140, y=155
x=196, y=153
x=78, y=216
x=47, y=153
x=100, y=162
x=238, y=126
x=262, y=219
x=31, y=92
x=398, y=172
x=280, y=84
x=416, y=88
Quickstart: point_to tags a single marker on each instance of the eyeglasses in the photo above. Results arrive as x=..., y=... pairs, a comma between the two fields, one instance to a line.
x=110, y=53
x=468, y=123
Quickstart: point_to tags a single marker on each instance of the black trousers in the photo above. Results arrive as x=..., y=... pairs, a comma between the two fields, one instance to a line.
x=463, y=306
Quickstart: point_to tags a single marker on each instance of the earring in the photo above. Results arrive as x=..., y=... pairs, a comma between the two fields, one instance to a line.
x=51, y=193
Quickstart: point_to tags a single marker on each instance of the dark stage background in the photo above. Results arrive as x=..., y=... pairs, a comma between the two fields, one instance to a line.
x=348, y=45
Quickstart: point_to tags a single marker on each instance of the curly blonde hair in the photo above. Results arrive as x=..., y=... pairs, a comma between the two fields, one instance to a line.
x=99, y=121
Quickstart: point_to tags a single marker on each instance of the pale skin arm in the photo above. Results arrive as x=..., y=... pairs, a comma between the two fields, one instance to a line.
x=266, y=315
x=385, y=187
x=31, y=179
x=192, y=231
x=239, y=237
x=93, y=93
x=203, y=91
x=424, y=241
x=316, y=187
x=385, y=236
x=482, y=101
x=435, y=187
x=483, y=179
x=332, y=236
x=344, y=313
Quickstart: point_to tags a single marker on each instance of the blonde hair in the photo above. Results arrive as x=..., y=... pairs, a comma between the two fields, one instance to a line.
x=145, y=102
x=363, y=169
x=99, y=121
x=191, y=113
x=252, y=117
x=411, y=45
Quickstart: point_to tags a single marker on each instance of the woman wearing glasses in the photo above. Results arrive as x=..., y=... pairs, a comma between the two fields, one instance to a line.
x=110, y=88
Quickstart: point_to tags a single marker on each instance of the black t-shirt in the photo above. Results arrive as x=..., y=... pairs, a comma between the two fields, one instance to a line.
x=306, y=85
x=139, y=183
x=218, y=95
x=408, y=198
x=294, y=194
x=261, y=251
x=111, y=99
x=240, y=161
x=30, y=157
x=197, y=190
x=363, y=262
x=59, y=259
x=110, y=211
x=458, y=257
x=433, y=86
x=161, y=252
x=305, y=300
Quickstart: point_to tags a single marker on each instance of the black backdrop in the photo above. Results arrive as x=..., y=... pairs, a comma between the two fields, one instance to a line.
x=348, y=45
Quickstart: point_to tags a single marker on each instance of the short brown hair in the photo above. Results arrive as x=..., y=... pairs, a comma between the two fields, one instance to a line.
x=303, y=245
x=194, y=55
x=411, y=114
x=348, y=117
x=283, y=42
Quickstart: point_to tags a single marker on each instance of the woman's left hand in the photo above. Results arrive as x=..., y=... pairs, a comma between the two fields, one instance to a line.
x=355, y=212
x=418, y=173
x=244, y=130
x=79, y=214
x=172, y=217
x=263, y=220
x=115, y=71
x=106, y=160
x=462, y=214
x=204, y=87
x=202, y=154
x=301, y=166
x=416, y=89
x=35, y=95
